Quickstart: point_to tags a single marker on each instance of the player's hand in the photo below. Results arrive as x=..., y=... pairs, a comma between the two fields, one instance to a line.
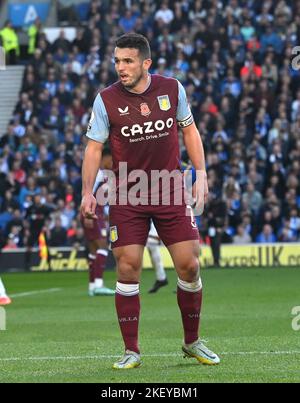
x=200, y=192
x=88, y=206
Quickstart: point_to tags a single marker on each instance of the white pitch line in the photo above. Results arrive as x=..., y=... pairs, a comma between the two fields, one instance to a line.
x=96, y=357
x=261, y=353
x=30, y=293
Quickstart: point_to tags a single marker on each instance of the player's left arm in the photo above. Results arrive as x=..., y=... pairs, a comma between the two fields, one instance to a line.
x=195, y=150
x=194, y=147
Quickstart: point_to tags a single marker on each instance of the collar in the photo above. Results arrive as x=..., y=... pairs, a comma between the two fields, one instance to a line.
x=147, y=87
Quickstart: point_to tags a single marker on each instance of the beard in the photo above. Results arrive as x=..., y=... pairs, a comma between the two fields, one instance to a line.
x=134, y=83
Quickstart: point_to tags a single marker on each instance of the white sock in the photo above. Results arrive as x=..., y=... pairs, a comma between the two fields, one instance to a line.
x=2, y=289
x=157, y=262
x=98, y=282
x=91, y=286
x=196, y=286
x=127, y=290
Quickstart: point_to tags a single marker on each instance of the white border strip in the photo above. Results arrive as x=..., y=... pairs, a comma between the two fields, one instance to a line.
x=157, y=355
x=30, y=293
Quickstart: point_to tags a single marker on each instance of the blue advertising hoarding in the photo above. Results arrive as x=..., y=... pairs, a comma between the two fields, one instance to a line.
x=25, y=14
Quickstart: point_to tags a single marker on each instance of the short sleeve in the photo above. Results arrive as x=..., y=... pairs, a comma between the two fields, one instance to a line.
x=184, y=115
x=98, y=128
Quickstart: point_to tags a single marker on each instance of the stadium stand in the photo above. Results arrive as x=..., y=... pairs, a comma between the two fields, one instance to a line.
x=235, y=60
x=11, y=79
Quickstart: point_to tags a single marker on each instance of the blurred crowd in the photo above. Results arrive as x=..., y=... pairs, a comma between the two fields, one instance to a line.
x=234, y=58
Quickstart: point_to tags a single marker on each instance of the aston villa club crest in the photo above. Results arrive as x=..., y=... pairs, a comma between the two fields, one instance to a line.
x=145, y=110
x=113, y=234
x=164, y=102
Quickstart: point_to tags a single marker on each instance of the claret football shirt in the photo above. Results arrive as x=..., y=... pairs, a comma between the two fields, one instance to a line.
x=142, y=128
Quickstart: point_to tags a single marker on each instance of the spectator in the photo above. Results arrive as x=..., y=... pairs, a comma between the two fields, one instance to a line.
x=270, y=38
x=76, y=238
x=294, y=222
x=36, y=215
x=33, y=35
x=286, y=234
x=241, y=238
x=216, y=216
x=61, y=43
x=10, y=139
x=251, y=69
x=164, y=14
x=252, y=199
x=128, y=22
x=267, y=235
x=30, y=189
x=247, y=30
x=58, y=234
x=11, y=243
x=10, y=42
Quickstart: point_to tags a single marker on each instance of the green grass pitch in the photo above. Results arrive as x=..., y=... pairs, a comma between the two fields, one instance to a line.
x=62, y=335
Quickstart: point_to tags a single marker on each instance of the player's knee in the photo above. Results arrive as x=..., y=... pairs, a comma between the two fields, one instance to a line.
x=190, y=270
x=128, y=267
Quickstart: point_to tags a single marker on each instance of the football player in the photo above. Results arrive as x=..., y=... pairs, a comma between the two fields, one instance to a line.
x=4, y=299
x=95, y=230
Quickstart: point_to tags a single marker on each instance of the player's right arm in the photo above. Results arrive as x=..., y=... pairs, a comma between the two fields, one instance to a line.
x=97, y=133
x=90, y=168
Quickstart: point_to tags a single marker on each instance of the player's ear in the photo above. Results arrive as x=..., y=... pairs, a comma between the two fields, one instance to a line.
x=147, y=64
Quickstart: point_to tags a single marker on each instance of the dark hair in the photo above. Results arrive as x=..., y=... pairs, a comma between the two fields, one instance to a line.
x=135, y=41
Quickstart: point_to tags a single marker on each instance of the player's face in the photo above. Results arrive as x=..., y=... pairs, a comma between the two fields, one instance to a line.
x=130, y=67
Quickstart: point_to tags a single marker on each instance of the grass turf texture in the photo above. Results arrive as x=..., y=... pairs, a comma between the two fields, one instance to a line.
x=66, y=336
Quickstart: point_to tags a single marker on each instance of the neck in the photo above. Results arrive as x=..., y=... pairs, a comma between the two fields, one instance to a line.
x=142, y=85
